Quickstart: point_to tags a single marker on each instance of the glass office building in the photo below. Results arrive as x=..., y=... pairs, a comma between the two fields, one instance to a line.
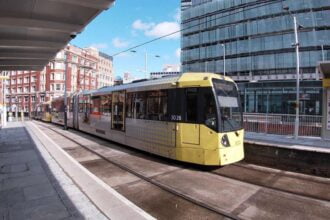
x=255, y=39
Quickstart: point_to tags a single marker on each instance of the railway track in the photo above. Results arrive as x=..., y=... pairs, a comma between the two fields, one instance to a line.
x=150, y=180
x=239, y=171
x=264, y=179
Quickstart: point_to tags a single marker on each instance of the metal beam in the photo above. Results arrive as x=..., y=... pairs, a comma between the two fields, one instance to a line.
x=13, y=68
x=95, y=4
x=30, y=44
x=23, y=62
x=27, y=23
x=24, y=55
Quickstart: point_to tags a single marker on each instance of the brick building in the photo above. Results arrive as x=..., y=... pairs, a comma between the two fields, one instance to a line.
x=86, y=69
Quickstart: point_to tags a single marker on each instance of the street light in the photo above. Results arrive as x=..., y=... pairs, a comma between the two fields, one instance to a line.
x=296, y=45
x=322, y=47
x=224, y=59
x=3, y=78
x=145, y=61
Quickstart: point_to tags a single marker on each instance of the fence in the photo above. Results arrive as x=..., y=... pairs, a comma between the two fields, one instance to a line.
x=309, y=125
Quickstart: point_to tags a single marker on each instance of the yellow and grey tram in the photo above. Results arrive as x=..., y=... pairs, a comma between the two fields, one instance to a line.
x=194, y=117
x=43, y=112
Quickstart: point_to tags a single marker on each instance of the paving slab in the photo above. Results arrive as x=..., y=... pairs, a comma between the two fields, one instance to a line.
x=112, y=204
x=32, y=184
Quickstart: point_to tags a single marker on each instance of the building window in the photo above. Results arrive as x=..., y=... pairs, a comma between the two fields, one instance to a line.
x=26, y=98
x=26, y=80
x=33, y=79
x=33, y=98
x=42, y=98
x=52, y=87
x=33, y=88
x=58, y=87
x=26, y=89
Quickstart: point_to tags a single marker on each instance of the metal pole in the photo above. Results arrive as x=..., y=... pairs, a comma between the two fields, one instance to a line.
x=267, y=111
x=65, y=95
x=16, y=109
x=322, y=47
x=4, y=103
x=224, y=59
x=296, y=125
x=145, y=64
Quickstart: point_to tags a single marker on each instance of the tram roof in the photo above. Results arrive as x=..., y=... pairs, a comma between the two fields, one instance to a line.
x=138, y=86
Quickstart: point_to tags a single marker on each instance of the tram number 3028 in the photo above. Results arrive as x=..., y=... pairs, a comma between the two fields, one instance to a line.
x=176, y=118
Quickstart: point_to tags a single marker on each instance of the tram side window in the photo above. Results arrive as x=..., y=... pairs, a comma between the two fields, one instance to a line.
x=87, y=104
x=140, y=101
x=95, y=102
x=157, y=105
x=129, y=105
x=209, y=109
x=106, y=105
x=81, y=104
x=191, y=104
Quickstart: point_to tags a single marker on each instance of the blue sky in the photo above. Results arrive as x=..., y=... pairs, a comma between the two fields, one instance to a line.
x=129, y=23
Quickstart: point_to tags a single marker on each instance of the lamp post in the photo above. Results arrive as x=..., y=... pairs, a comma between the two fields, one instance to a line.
x=224, y=59
x=3, y=78
x=296, y=45
x=322, y=47
x=65, y=91
x=145, y=61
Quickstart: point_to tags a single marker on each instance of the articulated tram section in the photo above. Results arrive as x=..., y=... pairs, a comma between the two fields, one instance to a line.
x=247, y=139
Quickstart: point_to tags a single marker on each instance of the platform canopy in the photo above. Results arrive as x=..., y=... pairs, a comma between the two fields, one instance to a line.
x=32, y=32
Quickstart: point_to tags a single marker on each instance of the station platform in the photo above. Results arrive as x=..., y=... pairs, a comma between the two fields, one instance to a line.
x=33, y=185
x=307, y=155
x=302, y=143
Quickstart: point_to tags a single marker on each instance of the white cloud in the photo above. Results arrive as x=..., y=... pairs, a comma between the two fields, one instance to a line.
x=100, y=46
x=118, y=43
x=140, y=25
x=158, y=30
x=178, y=53
x=164, y=28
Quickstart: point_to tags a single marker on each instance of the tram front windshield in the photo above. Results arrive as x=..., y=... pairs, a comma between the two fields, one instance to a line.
x=229, y=110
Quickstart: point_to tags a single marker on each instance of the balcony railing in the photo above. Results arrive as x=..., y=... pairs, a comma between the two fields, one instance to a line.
x=282, y=124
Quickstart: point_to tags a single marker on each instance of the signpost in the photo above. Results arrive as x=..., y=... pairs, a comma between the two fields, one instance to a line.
x=3, y=107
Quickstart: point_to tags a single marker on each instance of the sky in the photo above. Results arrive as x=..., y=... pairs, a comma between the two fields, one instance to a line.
x=132, y=22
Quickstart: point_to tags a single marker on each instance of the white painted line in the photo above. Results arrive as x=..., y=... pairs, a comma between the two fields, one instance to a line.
x=110, y=202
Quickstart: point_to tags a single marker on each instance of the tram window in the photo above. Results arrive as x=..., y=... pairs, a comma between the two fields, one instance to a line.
x=157, y=105
x=209, y=110
x=106, y=105
x=87, y=104
x=191, y=104
x=129, y=104
x=139, y=100
x=95, y=103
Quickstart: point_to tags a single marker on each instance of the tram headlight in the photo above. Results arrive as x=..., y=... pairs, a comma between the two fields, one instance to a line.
x=225, y=141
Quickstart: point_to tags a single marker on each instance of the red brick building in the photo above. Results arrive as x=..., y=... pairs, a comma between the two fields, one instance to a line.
x=26, y=89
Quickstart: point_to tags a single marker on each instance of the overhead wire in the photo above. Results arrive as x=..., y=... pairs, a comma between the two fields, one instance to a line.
x=264, y=3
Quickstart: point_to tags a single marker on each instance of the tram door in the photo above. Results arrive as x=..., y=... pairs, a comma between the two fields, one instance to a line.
x=75, y=111
x=190, y=131
x=118, y=111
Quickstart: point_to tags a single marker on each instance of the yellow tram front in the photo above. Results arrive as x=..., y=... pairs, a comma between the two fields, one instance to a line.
x=212, y=133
